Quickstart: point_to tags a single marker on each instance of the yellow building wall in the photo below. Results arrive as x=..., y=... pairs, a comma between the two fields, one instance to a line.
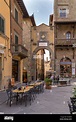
x=5, y=40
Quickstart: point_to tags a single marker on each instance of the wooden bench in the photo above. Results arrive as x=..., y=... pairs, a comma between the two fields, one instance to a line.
x=63, y=82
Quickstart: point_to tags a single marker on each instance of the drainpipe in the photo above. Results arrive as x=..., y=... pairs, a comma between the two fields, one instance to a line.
x=10, y=37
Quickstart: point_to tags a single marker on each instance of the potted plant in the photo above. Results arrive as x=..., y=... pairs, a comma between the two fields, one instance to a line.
x=74, y=92
x=48, y=83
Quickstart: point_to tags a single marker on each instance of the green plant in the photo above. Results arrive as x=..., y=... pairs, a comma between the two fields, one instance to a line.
x=48, y=81
x=74, y=92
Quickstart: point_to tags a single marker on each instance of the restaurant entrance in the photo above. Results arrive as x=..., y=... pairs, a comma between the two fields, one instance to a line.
x=15, y=66
x=24, y=76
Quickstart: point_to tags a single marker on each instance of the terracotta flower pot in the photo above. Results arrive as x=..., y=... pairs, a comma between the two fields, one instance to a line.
x=48, y=86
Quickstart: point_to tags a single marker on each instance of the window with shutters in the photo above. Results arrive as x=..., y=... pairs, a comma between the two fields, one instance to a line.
x=1, y=25
x=16, y=15
x=16, y=43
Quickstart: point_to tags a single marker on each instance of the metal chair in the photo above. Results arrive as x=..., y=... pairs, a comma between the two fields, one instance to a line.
x=11, y=96
x=28, y=97
x=70, y=107
x=73, y=102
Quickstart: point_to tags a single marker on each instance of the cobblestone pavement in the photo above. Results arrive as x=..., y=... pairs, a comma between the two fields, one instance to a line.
x=52, y=101
x=3, y=97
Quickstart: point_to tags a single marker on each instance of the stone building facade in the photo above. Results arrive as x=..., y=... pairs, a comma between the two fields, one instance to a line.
x=40, y=68
x=39, y=64
x=28, y=23
x=64, y=20
x=48, y=71
x=18, y=51
x=5, y=55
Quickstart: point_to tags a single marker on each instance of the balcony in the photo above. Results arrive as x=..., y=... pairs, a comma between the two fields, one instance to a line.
x=19, y=50
x=65, y=42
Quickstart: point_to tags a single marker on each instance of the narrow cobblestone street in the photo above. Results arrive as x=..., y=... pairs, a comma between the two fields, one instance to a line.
x=52, y=101
x=37, y=58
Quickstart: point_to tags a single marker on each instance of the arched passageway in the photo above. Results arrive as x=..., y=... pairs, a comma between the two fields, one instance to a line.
x=39, y=63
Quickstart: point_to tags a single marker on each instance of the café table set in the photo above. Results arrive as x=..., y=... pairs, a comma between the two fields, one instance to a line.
x=26, y=93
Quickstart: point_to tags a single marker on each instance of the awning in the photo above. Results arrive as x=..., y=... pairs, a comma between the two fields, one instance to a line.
x=66, y=63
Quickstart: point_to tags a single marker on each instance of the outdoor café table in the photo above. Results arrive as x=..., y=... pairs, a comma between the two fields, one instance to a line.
x=32, y=84
x=38, y=86
x=35, y=84
x=22, y=90
x=38, y=83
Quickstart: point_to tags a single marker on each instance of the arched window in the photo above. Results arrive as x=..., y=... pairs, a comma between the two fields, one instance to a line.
x=68, y=35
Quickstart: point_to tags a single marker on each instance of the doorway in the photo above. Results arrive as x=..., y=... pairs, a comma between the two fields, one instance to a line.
x=15, y=67
x=65, y=67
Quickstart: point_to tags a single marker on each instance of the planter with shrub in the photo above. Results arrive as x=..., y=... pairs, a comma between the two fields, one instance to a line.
x=74, y=92
x=48, y=83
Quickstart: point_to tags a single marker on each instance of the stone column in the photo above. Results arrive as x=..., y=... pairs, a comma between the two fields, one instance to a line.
x=73, y=68
x=57, y=67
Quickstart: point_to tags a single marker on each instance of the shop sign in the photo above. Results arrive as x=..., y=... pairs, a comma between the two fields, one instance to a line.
x=73, y=71
x=73, y=64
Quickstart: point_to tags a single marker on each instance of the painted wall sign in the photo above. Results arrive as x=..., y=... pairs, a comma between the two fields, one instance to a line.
x=43, y=44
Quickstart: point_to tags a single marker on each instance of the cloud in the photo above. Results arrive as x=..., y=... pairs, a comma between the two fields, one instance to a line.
x=37, y=11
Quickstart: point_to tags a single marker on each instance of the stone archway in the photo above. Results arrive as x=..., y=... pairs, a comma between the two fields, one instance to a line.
x=39, y=48
x=34, y=61
x=42, y=38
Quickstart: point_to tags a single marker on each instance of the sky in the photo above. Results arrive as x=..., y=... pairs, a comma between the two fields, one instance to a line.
x=41, y=9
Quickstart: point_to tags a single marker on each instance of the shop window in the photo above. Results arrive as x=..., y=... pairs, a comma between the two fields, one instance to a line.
x=65, y=67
